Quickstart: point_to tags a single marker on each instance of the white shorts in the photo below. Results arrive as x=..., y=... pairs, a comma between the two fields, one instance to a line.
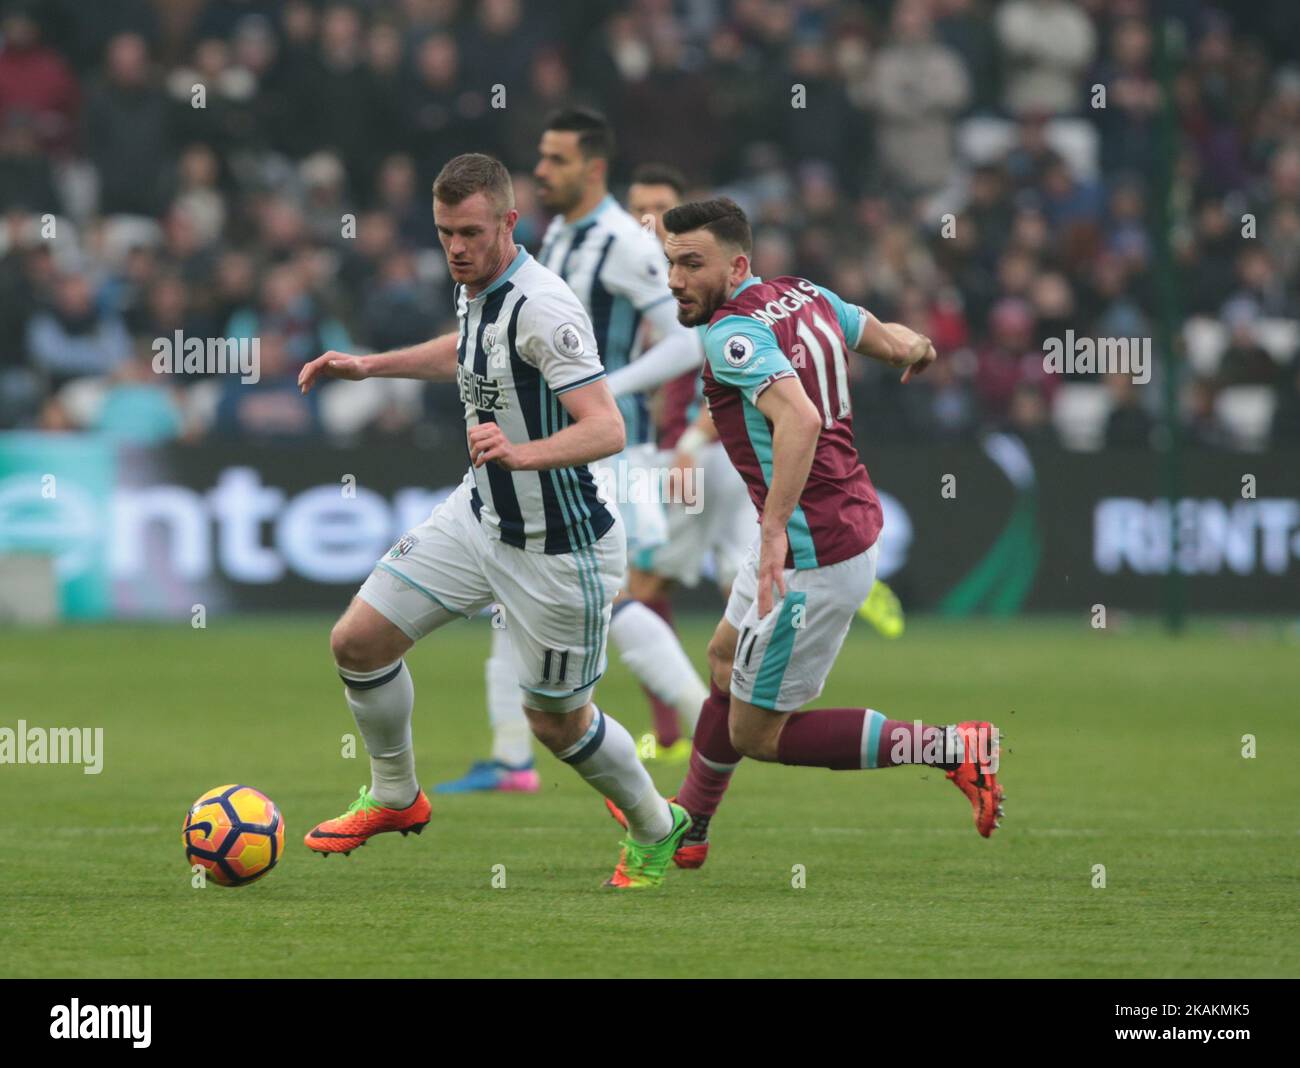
x=783, y=659
x=722, y=522
x=630, y=482
x=555, y=607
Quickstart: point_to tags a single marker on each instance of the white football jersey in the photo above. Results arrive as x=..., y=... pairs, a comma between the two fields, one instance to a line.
x=524, y=340
x=617, y=270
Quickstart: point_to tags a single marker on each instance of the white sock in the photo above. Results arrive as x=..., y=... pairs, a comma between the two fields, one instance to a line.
x=606, y=757
x=651, y=651
x=512, y=738
x=381, y=703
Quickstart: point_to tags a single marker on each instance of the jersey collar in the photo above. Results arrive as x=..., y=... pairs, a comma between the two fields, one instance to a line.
x=752, y=280
x=521, y=256
x=605, y=202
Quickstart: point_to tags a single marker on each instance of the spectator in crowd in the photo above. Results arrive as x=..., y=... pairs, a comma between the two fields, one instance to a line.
x=73, y=338
x=273, y=407
x=36, y=83
x=127, y=131
x=918, y=88
x=1128, y=424
x=1046, y=47
x=139, y=407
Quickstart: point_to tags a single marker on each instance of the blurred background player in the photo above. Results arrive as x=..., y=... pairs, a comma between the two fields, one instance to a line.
x=525, y=529
x=616, y=270
x=776, y=380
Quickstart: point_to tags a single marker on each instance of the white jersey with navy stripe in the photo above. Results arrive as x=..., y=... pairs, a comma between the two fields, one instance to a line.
x=617, y=271
x=523, y=341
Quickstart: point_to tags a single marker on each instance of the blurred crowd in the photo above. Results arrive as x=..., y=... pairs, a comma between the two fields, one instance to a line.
x=987, y=171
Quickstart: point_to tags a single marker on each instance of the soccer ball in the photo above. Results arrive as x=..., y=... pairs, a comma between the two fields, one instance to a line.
x=234, y=832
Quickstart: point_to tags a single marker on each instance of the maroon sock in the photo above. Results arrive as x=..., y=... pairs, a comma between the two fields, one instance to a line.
x=713, y=758
x=823, y=738
x=833, y=738
x=911, y=743
x=663, y=608
x=664, y=715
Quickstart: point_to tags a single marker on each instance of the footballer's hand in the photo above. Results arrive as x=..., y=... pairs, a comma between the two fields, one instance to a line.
x=332, y=365
x=771, y=569
x=919, y=356
x=488, y=441
x=679, y=487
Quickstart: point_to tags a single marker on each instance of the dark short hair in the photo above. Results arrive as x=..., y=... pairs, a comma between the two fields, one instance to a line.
x=660, y=174
x=595, y=135
x=473, y=173
x=722, y=217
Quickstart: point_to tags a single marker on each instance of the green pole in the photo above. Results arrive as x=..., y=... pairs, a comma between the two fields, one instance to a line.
x=1167, y=310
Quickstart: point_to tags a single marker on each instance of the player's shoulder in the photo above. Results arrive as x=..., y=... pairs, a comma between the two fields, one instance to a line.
x=733, y=338
x=542, y=286
x=786, y=293
x=631, y=239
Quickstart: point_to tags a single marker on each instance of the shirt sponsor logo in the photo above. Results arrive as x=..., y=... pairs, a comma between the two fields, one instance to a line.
x=479, y=391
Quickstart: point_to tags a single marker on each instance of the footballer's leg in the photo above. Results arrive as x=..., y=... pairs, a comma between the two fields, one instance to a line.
x=651, y=650
x=601, y=750
x=782, y=661
x=410, y=593
x=651, y=590
x=557, y=610
x=510, y=767
x=713, y=757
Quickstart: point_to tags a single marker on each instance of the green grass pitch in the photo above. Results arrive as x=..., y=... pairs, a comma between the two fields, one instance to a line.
x=1125, y=750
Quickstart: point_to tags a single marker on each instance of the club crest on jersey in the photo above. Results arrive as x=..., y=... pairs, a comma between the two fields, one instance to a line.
x=568, y=342
x=404, y=546
x=490, y=336
x=738, y=350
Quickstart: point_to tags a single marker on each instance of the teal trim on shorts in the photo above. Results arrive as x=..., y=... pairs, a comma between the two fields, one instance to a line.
x=776, y=657
x=381, y=566
x=873, y=737
x=549, y=411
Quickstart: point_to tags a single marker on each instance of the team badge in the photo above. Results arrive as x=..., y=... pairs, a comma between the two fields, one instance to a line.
x=738, y=350
x=568, y=342
x=490, y=336
x=404, y=546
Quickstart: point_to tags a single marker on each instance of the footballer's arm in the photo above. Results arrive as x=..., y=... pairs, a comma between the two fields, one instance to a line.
x=597, y=431
x=796, y=426
x=896, y=345
x=433, y=360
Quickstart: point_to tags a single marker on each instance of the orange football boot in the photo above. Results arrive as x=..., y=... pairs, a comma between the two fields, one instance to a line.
x=977, y=778
x=694, y=848
x=364, y=818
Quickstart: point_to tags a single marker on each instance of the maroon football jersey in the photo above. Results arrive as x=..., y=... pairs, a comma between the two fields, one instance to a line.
x=782, y=328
